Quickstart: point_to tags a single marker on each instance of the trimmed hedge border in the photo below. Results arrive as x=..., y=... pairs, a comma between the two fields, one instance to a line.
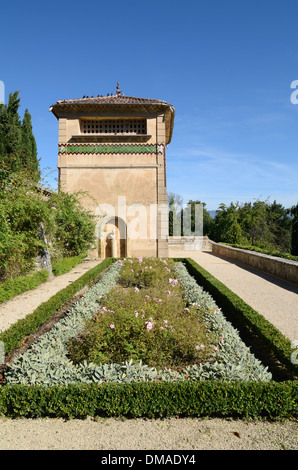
x=13, y=336
x=203, y=398
x=152, y=400
x=13, y=287
x=244, y=315
x=65, y=265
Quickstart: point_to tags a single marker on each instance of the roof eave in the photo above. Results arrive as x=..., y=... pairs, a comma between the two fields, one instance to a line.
x=170, y=111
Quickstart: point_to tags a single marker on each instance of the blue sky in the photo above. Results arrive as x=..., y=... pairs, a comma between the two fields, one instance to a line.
x=225, y=65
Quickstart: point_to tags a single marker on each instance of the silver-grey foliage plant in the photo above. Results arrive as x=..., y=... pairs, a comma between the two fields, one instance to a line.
x=46, y=362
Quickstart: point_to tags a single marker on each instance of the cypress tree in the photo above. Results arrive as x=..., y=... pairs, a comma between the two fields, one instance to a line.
x=29, y=148
x=11, y=133
x=18, y=150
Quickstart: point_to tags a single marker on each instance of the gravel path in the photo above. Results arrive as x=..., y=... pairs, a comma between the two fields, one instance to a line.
x=273, y=298
x=142, y=434
x=139, y=434
x=23, y=304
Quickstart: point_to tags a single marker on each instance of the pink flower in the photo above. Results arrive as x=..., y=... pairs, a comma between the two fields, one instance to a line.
x=112, y=326
x=149, y=325
x=169, y=292
x=136, y=314
x=215, y=348
x=136, y=289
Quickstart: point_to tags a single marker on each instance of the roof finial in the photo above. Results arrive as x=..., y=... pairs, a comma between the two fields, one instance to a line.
x=118, y=89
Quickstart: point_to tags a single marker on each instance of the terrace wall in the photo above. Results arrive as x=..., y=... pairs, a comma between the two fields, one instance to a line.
x=279, y=267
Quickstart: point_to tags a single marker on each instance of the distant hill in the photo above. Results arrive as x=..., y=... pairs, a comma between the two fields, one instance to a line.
x=212, y=213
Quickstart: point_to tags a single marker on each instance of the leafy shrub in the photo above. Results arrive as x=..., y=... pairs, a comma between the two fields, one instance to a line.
x=13, y=287
x=72, y=229
x=144, y=272
x=69, y=228
x=65, y=265
x=22, y=210
x=153, y=324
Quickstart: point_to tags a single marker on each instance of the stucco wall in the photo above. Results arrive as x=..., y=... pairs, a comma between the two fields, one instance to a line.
x=135, y=174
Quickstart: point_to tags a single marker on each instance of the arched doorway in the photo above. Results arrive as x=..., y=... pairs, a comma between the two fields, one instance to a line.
x=114, y=238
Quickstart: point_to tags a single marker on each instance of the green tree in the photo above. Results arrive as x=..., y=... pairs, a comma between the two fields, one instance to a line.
x=294, y=213
x=266, y=225
x=253, y=218
x=29, y=158
x=18, y=150
x=11, y=133
x=280, y=225
x=207, y=219
x=259, y=224
x=226, y=227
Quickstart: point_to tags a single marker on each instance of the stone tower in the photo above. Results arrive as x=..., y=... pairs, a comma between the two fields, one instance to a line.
x=113, y=148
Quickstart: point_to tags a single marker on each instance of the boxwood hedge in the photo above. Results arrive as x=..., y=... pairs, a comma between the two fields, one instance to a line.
x=208, y=398
x=13, y=287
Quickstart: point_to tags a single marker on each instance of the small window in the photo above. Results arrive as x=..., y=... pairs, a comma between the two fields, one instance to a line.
x=119, y=126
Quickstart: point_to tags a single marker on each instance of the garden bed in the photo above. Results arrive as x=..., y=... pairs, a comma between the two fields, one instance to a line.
x=144, y=327
x=265, y=338
x=45, y=381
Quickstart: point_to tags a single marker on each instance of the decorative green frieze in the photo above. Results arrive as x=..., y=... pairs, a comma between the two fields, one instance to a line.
x=73, y=149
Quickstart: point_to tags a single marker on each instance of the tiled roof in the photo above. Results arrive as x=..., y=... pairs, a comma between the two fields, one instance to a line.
x=115, y=101
x=118, y=98
x=112, y=99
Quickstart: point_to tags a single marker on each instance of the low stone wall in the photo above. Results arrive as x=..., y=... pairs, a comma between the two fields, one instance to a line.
x=280, y=267
x=190, y=243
